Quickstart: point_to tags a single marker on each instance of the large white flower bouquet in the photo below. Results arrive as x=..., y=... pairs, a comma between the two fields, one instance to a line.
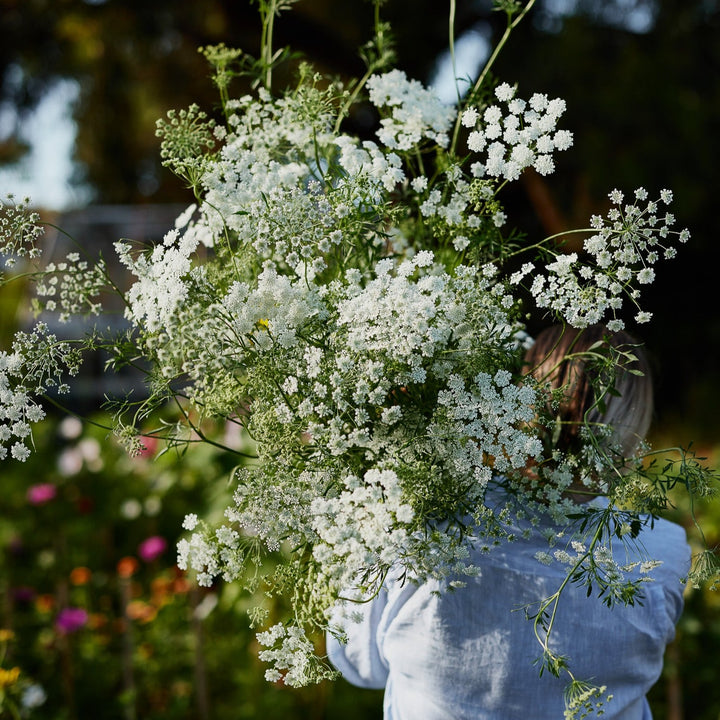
x=354, y=307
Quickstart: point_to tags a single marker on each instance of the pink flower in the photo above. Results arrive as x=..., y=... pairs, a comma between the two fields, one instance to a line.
x=152, y=548
x=70, y=620
x=149, y=446
x=41, y=493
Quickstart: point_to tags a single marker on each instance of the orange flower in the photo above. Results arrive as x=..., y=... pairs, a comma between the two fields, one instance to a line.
x=127, y=567
x=80, y=575
x=97, y=620
x=161, y=589
x=160, y=585
x=141, y=611
x=45, y=603
x=181, y=585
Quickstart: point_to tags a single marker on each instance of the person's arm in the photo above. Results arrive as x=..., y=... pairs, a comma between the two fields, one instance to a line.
x=678, y=567
x=668, y=543
x=360, y=659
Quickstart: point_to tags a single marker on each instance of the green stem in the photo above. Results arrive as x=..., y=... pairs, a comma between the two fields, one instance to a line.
x=203, y=437
x=420, y=163
x=510, y=26
x=554, y=599
x=267, y=44
x=451, y=47
x=544, y=241
x=342, y=114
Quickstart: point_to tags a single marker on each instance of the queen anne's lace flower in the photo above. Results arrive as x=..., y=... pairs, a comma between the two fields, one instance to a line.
x=622, y=250
x=416, y=113
x=517, y=137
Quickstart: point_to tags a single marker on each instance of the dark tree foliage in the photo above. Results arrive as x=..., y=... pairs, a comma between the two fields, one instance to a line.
x=643, y=106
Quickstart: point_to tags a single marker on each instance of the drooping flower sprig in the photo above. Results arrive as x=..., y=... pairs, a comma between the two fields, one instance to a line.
x=350, y=305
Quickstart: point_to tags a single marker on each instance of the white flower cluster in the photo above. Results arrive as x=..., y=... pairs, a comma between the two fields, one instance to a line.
x=161, y=284
x=276, y=511
x=291, y=653
x=211, y=554
x=17, y=410
x=368, y=161
x=365, y=526
x=453, y=207
x=345, y=301
x=274, y=311
x=72, y=287
x=416, y=113
x=268, y=149
x=201, y=555
x=367, y=373
x=37, y=363
x=622, y=250
x=525, y=134
x=407, y=319
x=492, y=411
x=20, y=230
x=273, y=163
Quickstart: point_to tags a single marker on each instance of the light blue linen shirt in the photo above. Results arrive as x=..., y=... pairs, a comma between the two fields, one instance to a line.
x=469, y=654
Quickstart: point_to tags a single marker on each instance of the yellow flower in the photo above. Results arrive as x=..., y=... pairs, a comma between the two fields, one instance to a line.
x=9, y=677
x=6, y=635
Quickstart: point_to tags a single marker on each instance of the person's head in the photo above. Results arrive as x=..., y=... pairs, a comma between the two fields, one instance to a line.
x=563, y=358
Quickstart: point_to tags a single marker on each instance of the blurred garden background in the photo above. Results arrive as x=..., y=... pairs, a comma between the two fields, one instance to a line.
x=95, y=620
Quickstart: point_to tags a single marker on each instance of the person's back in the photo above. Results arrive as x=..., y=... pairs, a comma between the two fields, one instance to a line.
x=468, y=653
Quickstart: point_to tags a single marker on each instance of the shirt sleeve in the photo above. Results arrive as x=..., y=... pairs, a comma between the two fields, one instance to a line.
x=677, y=568
x=667, y=542
x=360, y=660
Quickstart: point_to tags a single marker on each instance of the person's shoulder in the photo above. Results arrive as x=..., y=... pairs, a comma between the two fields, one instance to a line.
x=664, y=531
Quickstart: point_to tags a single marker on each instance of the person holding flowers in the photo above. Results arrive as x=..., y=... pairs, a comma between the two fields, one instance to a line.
x=356, y=307
x=468, y=653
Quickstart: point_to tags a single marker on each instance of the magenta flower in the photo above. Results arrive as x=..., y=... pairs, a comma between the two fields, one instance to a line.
x=70, y=620
x=41, y=493
x=152, y=548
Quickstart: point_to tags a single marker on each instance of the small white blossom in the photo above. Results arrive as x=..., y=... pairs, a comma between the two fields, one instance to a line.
x=470, y=117
x=190, y=522
x=504, y=92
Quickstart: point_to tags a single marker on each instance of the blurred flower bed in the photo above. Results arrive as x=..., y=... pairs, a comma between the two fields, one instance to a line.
x=688, y=689
x=96, y=621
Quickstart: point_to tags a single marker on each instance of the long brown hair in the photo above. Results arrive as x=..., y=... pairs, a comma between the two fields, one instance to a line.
x=562, y=357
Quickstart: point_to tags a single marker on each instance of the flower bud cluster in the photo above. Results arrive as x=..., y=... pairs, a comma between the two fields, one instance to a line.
x=365, y=526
